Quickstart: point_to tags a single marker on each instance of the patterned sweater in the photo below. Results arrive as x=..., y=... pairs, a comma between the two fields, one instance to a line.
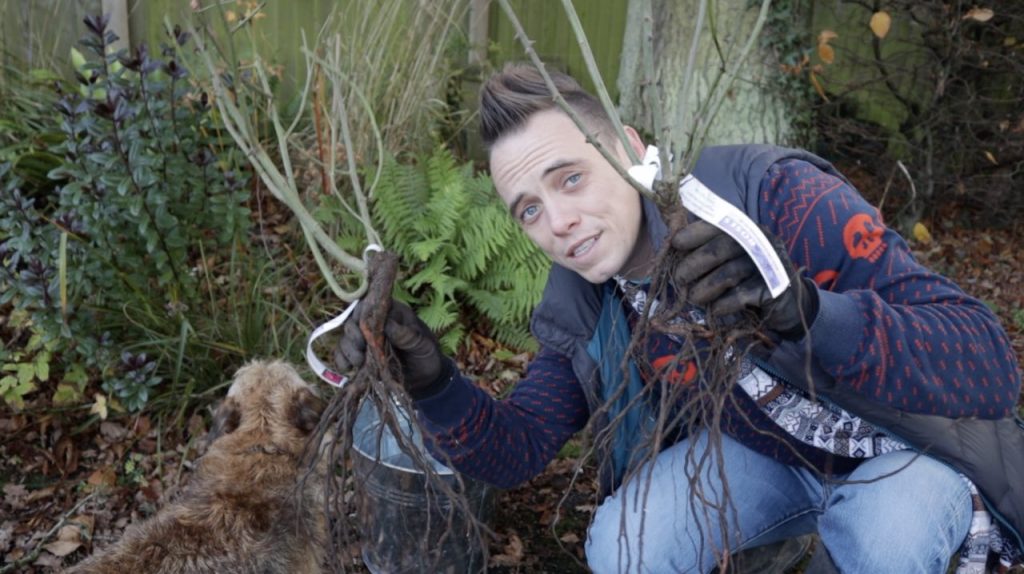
x=917, y=342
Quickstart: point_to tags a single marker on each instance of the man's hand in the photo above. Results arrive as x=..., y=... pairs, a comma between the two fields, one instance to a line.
x=414, y=344
x=721, y=278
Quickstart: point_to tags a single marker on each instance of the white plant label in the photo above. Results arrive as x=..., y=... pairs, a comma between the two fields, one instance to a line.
x=702, y=202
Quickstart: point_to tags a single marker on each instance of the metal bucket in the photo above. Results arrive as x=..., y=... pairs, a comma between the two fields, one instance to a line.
x=405, y=527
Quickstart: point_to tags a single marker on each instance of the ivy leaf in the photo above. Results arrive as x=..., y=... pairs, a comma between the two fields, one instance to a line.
x=880, y=24
x=42, y=367
x=76, y=374
x=66, y=394
x=26, y=372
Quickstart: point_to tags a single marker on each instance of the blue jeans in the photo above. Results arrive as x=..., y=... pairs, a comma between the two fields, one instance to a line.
x=910, y=520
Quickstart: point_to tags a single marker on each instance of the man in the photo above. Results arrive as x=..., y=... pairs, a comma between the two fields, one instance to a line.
x=862, y=324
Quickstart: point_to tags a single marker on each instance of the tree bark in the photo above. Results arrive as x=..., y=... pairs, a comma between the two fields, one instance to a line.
x=750, y=113
x=118, y=11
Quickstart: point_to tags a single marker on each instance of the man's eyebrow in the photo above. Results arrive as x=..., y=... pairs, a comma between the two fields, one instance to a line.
x=515, y=203
x=558, y=165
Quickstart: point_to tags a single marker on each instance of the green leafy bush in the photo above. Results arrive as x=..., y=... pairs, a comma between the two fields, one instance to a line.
x=119, y=255
x=468, y=258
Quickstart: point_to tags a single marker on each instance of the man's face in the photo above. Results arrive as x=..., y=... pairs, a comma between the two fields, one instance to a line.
x=569, y=199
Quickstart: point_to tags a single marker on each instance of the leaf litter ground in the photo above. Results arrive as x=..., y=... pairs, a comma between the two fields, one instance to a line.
x=64, y=490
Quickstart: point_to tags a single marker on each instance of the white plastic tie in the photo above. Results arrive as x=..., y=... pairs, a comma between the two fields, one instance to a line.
x=327, y=374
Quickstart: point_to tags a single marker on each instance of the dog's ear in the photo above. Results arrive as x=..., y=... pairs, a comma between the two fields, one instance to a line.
x=305, y=410
x=226, y=419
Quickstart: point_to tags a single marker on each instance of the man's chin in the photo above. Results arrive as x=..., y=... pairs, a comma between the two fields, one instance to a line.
x=595, y=276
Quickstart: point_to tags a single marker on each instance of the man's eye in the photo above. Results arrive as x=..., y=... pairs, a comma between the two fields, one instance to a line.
x=573, y=179
x=528, y=213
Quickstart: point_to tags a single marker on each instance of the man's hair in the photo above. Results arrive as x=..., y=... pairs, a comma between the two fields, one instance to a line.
x=510, y=97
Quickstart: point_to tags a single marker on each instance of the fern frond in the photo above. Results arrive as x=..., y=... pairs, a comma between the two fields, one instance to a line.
x=516, y=336
x=452, y=339
x=440, y=313
x=398, y=201
x=424, y=250
x=465, y=254
x=434, y=272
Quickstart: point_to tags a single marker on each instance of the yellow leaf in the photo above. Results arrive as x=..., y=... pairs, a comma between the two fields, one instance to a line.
x=991, y=158
x=817, y=86
x=100, y=406
x=826, y=53
x=826, y=36
x=230, y=16
x=1009, y=41
x=921, y=233
x=979, y=14
x=880, y=24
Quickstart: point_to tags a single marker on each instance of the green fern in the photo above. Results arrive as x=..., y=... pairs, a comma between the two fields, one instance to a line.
x=464, y=257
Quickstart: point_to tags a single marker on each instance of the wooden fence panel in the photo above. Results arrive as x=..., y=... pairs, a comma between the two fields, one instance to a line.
x=546, y=24
x=40, y=33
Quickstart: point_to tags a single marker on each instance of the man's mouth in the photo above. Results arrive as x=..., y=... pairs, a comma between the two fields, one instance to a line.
x=582, y=248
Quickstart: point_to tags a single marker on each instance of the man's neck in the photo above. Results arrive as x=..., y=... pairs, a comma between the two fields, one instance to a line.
x=641, y=261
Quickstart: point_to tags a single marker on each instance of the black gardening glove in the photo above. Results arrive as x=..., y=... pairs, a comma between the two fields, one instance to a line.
x=415, y=346
x=721, y=278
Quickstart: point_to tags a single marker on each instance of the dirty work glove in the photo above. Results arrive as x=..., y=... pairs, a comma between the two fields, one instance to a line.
x=414, y=345
x=721, y=278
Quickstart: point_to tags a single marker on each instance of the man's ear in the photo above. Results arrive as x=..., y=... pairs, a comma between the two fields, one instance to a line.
x=635, y=142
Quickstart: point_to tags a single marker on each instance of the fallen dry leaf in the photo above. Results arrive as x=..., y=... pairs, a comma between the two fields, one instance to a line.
x=39, y=494
x=112, y=431
x=979, y=14
x=14, y=495
x=570, y=538
x=70, y=533
x=62, y=547
x=104, y=477
x=48, y=561
x=86, y=522
x=513, y=552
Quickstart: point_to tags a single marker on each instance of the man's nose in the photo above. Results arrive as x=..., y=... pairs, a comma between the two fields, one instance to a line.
x=563, y=218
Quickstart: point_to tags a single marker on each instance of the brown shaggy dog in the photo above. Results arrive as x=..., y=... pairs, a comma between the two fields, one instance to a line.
x=243, y=511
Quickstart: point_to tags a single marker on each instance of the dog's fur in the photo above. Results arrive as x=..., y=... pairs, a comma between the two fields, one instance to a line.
x=244, y=510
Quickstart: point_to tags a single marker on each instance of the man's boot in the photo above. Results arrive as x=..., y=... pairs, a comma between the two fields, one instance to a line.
x=775, y=558
x=821, y=561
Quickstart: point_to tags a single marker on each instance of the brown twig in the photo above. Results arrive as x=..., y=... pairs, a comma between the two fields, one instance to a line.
x=31, y=556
